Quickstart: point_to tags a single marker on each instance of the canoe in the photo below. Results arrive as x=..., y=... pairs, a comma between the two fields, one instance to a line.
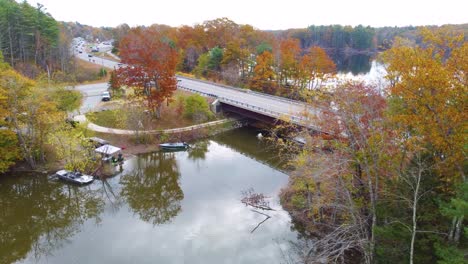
x=74, y=177
x=174, y=146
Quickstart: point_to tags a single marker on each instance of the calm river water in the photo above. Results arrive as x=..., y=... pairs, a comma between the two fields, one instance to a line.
x=182, y=207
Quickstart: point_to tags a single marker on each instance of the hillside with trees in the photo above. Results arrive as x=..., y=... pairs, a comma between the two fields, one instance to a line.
x=30, y=38
x=38, y=46
x=32, y=121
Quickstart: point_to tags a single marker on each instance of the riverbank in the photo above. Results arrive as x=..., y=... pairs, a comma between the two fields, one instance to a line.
x=133, y=145
x=148, y=141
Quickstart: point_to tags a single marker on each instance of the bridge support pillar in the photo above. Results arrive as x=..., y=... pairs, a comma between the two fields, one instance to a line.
x=215, y=107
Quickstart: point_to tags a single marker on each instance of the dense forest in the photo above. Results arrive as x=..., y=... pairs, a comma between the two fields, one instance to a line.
x=358, y=38
x=38, y=46
x=30, y=37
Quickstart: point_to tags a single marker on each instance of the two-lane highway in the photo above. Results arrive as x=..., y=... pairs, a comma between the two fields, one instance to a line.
x=96, y=60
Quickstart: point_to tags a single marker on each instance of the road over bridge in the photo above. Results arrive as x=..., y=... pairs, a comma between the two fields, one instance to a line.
x=272, y=106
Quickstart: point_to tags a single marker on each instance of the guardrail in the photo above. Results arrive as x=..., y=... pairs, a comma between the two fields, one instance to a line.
x=278, y=98
x=299, y=120
x=196, y=91
x=262, y=110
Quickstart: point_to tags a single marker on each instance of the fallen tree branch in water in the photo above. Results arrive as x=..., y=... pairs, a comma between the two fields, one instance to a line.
x=259, y=213
x=264, y=220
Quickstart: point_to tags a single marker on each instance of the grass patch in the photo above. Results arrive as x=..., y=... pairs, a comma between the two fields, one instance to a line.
x=105, y=55
x=89, y=72
x=81, y=72
x=108, y=118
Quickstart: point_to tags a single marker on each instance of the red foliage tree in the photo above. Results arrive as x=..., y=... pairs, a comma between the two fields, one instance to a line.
x=151, y=59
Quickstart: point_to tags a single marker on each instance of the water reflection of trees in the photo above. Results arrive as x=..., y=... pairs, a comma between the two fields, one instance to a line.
x=198, y=150
x=37, y=215
x=113, y=200
x=152, y=190
x=356, y=64
x=245, y=141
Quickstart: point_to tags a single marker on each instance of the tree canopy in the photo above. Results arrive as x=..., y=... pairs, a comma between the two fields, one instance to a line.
x=152, y=59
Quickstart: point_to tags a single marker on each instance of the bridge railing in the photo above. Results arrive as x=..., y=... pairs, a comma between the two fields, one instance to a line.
x=196, y=91
x=278, y=98
x=300, y=120
x=268, y=112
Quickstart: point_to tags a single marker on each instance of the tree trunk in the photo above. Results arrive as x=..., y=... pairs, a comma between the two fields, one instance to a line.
x=458, y=228
x=158, y=111
x=414, y=218
x=27, y=155
x=309, y=197
x=11, y=45
x=452, y=229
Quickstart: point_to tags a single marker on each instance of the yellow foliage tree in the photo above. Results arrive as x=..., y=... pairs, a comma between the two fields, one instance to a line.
x=429, y=91
x=264, y=75
x=30, y=111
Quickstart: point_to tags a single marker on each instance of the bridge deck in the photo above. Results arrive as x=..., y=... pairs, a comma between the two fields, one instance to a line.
x=268, y=105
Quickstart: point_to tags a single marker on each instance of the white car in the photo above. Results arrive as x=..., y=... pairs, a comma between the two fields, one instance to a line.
x=105, y=96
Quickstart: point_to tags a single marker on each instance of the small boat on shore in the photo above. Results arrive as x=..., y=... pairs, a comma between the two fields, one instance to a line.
x=174, y=146
x=74, y=177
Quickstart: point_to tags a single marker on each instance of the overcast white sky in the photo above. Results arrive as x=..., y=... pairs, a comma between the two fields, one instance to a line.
x=262, y=14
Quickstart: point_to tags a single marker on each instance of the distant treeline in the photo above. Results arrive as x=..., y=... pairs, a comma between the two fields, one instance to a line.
x=335, y=36
x=91, y=33
x=358, y=38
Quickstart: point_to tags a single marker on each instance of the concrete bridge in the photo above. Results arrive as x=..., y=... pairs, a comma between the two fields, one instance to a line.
x=262, y=104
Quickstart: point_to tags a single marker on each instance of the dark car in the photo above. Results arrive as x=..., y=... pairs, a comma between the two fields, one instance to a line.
x=89, y=55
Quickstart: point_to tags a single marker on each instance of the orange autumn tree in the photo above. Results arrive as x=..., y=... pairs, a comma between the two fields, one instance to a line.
x=264, y=75
x=314, y=68
x=151, y=60
x=191, y=42
x=288, y=63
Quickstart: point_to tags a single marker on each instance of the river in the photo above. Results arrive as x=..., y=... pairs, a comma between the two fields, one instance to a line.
x=360, y=67
x=181, y=207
